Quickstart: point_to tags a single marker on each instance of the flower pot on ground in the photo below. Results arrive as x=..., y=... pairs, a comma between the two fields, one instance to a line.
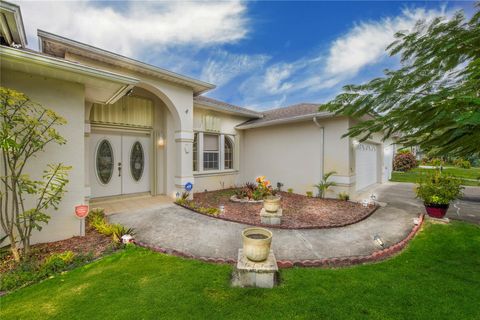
x=437, y=210
x=437, y=191
x=256, y=243
x=271, y=203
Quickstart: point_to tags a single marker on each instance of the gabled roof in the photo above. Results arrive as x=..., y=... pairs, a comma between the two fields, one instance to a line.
x=100, y=86
x=57, y=46
x=297, y=112
x=217, y=105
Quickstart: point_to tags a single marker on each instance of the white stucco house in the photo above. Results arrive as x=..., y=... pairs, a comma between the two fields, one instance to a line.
x=134, y=128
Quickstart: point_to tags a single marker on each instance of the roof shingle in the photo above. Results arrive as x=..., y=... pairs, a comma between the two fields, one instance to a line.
x=297, y=111
x=220, y=105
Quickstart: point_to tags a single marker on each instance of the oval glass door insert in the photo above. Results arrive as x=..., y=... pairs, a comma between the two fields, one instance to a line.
x=104, y=161
x=137, y=161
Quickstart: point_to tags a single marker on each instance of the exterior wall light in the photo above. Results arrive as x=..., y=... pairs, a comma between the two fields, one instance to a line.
x=161, y=142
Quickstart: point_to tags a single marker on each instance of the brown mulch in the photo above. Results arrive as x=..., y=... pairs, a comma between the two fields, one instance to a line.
x=299, y=212
x=92, y=243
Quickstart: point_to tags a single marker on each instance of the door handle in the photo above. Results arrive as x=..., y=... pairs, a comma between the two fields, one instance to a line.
x=119, y=169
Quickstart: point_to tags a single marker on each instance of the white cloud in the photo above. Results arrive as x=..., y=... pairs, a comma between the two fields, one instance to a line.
x=362, y=46
x=275, y=76
x=365, y=43
x=222, y=66
x=130, y=28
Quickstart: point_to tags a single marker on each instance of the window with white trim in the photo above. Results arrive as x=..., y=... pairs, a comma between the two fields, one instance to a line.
x=211, y=151
x=228, y=153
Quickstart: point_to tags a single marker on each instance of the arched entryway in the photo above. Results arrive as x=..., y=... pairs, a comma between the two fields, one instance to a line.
x=131, y=147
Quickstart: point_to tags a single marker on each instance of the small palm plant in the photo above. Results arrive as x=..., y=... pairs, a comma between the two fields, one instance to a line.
x=325, y=184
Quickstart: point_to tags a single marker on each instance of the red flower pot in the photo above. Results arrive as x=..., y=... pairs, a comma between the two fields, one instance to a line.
x=437, y=210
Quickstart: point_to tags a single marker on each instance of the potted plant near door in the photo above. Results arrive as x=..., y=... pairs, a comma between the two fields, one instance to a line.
x=437, y=191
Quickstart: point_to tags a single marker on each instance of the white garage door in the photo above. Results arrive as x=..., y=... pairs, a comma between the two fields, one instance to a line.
x=366, y=165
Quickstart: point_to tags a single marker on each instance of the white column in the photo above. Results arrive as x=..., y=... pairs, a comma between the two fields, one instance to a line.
x=183, y=170
x=221, y=151
x=200, y=152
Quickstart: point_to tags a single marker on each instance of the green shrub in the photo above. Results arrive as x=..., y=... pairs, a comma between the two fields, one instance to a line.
x=462, y=163
x=96, y=218
x=210, y=211
x=17, y=278
x=257, y=194
x=439, y=188
x=241, y=193
x=309, y=194
x=436, y=162
x=290, y=190
x=118, y=231
x=57, y=262
x=33, y=271
x=344, y=196
x=404, y=161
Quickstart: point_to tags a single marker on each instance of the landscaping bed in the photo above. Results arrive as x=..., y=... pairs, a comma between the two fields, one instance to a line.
x=93, y=244
x=299, y=212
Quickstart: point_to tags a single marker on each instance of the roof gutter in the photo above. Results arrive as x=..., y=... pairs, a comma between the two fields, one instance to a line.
x=28, y=56
x=211, y=106
x=285, y=120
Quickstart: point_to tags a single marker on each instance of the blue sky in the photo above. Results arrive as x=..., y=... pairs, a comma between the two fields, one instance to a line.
x=260, y=54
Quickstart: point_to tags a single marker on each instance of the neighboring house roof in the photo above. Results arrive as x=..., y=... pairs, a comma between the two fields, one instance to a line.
x=100, y=86
x=57, y=46
x=212, y=104
x=11, y=24
x=297, y=112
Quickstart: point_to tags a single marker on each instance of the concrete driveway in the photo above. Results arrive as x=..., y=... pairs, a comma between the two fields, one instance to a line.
x=402, y=195
x=173, y=227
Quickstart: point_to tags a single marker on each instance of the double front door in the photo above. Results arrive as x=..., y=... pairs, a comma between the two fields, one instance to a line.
x=120, y=164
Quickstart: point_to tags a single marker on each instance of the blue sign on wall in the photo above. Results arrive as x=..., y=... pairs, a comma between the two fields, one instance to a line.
x=188, y=186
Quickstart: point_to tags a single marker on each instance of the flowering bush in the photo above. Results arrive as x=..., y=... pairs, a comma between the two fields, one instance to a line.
x=404, y=161
x=439, y=188
x=256, y=191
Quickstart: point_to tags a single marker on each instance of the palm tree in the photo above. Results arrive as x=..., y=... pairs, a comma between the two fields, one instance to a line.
x=325, y=184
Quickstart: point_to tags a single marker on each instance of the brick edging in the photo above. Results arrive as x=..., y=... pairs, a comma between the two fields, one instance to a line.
x=340, y=225
x=376, y=256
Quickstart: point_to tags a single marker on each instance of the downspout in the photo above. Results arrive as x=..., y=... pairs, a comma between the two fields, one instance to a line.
x=323, y=144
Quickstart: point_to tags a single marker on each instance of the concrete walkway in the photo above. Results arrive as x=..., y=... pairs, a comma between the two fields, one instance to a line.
x=173, y=227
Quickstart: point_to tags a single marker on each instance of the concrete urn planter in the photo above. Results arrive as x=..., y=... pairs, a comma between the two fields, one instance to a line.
x=271, y=203
x=256, y=243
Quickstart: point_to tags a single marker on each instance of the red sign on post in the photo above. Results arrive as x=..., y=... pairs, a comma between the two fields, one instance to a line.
x=81, y=211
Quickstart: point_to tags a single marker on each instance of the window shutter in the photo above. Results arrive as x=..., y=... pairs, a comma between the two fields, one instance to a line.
x=210, y=142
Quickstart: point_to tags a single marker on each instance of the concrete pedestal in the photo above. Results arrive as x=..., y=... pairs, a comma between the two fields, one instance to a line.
x=255, y=274
x=271, y=217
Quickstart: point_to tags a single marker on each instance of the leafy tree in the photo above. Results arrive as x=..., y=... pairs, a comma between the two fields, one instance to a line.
x=26, y=129
x=433, y=99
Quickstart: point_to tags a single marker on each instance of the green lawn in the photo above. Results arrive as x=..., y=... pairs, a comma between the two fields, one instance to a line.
x=437, y=277
x=417, y=173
